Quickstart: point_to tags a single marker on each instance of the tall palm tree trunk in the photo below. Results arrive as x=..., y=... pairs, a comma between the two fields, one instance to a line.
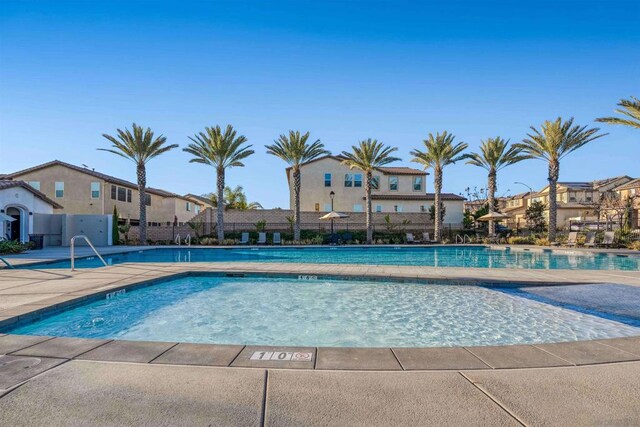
x=142, y=185
x=296, y=203
x=367, y=191
x=220, y=205
x=437, y=188
x=554, y=172
x=491, y=187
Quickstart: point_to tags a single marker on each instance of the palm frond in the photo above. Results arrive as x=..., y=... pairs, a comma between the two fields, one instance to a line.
x=218, y=148
x=629, y=108
x=369, y=155
x=439, y=151
x=139, y=146
x=295, y=149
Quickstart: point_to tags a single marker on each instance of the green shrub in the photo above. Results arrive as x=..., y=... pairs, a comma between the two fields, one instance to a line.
x=13, y=247
x=516, y=240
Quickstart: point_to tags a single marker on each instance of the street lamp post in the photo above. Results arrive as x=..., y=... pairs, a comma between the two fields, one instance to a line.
x=331, y=196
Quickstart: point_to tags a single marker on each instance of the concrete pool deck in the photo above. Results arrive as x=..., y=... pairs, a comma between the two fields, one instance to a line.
x=51, y=381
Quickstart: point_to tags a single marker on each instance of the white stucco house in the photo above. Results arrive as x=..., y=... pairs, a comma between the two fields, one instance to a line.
x=19, y=202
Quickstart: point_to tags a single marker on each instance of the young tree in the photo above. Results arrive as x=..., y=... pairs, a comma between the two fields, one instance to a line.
x=139, y=146
x=534, y=215
x=295, y=149
x=439, y=152
x=221, y=150
x=367, y=156
x=554, y=141
x=493, y=156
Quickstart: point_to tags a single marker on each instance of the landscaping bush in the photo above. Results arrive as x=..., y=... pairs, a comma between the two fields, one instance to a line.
x=543, y=241
x=13, y=247
x=516, y=240
x=634, y=245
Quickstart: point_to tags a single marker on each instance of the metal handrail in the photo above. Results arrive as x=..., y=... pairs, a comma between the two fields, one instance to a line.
x=73, y=250
x=6, y=262
x=177, y=240
x=459, y=239
x=187, y=240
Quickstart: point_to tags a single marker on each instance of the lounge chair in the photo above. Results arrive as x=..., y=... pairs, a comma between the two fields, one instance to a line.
x=590, y=240
x=262, y=238
x=410, y=238
x=244, y=240
x=427, y=239
x=573, y=239
x=608, y=238
x=276, y=239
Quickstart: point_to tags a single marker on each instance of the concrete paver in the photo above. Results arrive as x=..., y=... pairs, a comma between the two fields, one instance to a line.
x=584, y=395
x=66, y=348
x=437, y=358
x=381, y=359
x=516, y=356
x=16, y=369
x=629, y=344
x=200, y=354
x=587, y=352
x=11, y=343
x=92, y=393
x=128, y=351
x=314, y=398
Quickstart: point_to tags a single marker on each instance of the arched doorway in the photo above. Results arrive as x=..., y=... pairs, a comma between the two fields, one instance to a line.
x=17, y=229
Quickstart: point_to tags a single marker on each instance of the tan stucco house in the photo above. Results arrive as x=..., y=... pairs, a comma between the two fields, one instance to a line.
x=396, y=190
x=81, y=190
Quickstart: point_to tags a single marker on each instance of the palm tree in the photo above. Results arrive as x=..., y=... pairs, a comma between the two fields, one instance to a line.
x=555, y=140
x=631, y=108
x=221, y=150
x=139, y=146
x=295, y=150
x=236, y=199
x=367, y=156
x=440, y=151
x=494, y=156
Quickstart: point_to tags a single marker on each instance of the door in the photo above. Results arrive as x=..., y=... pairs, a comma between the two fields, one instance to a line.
x=15, y=227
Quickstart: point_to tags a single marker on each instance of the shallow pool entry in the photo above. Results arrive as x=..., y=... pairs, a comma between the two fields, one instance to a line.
x=318, y=312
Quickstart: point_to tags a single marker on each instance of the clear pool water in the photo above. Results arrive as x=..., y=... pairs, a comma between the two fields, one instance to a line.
x=436, y=256
x=277, y=311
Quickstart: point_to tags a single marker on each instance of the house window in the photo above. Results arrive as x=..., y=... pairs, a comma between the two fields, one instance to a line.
x=34, y=184
x=327, y=207
x=357, y=180
x=128, y=196
x=588, y=196
x=114, y=192
x=348, y=180
x=188, y=206
x=327, y=180
x=378, y=208
x=393, y=183
x=357, y=207
x=423, y=208
x=317, y=207
x=59, y=189
x=197, y=209
x=375, y=182
x=122, y=194
x=417, y=183
x=95, y=190
x=397, y=208
x=147, y=199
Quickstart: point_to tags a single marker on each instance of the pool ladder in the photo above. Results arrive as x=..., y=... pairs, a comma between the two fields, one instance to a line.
x=462, y=239
x=187, y=240
x=73, y=250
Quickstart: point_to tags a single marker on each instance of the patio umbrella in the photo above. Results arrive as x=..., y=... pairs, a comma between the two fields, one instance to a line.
x=495, y=216
x=5, y=217
x=334, y=215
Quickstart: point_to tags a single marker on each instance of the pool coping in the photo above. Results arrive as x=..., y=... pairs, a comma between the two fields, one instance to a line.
x=517, y=356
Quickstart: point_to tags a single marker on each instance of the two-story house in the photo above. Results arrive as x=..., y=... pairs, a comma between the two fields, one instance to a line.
x=81, y=190
x=395, y=189
x=631, y=191
x=579, y=200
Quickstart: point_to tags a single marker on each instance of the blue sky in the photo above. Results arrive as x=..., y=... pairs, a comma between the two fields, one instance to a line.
x=391, y=70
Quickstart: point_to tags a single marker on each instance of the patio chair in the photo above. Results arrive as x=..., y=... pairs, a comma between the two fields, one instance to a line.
x=410, y=238
x=262, y=238
x=590, y=240
x=276, y=239
x=426, y=238
x=573, y=239
x=244, y=240
x=607, y=240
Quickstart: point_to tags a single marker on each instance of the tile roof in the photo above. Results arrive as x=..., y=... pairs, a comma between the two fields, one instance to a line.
x=6, y=184
x=201, y=199
x=387, y=170
x=426, y=196
x=635, y=183
x=108, y=178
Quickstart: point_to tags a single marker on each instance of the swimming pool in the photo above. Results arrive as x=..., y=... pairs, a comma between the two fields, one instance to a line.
x=292, y=312
x=435, y=256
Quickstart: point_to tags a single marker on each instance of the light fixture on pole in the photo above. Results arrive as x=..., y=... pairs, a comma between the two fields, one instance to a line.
x=331, y=196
